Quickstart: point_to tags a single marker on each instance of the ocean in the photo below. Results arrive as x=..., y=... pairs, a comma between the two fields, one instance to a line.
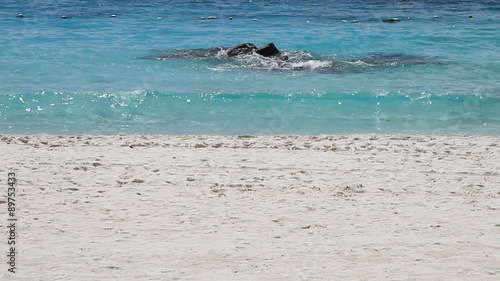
x=149, y=67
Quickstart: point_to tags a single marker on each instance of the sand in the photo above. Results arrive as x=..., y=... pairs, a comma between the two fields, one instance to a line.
x=253, y=208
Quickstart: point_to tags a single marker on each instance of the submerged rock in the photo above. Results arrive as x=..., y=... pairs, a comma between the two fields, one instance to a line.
x=269, y=57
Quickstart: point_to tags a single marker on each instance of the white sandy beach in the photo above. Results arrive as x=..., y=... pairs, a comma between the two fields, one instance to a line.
x=253, y=208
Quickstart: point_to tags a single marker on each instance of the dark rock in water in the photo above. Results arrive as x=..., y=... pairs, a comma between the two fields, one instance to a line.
x=268, y=50
x=392, y=20
x=241, y=49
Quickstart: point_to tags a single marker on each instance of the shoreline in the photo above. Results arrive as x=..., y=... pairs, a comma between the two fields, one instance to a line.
x=247, y=207
x=74, y=138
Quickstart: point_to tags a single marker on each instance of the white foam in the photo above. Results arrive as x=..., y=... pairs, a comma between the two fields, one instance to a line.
x=358, y=63
x=222, y=53
x=311, y=64
x=295, y=60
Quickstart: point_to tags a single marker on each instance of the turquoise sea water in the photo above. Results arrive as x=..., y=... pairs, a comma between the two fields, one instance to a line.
x=437, y=71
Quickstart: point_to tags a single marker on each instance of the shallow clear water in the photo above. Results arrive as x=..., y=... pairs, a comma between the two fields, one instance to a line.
x=87, y=74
